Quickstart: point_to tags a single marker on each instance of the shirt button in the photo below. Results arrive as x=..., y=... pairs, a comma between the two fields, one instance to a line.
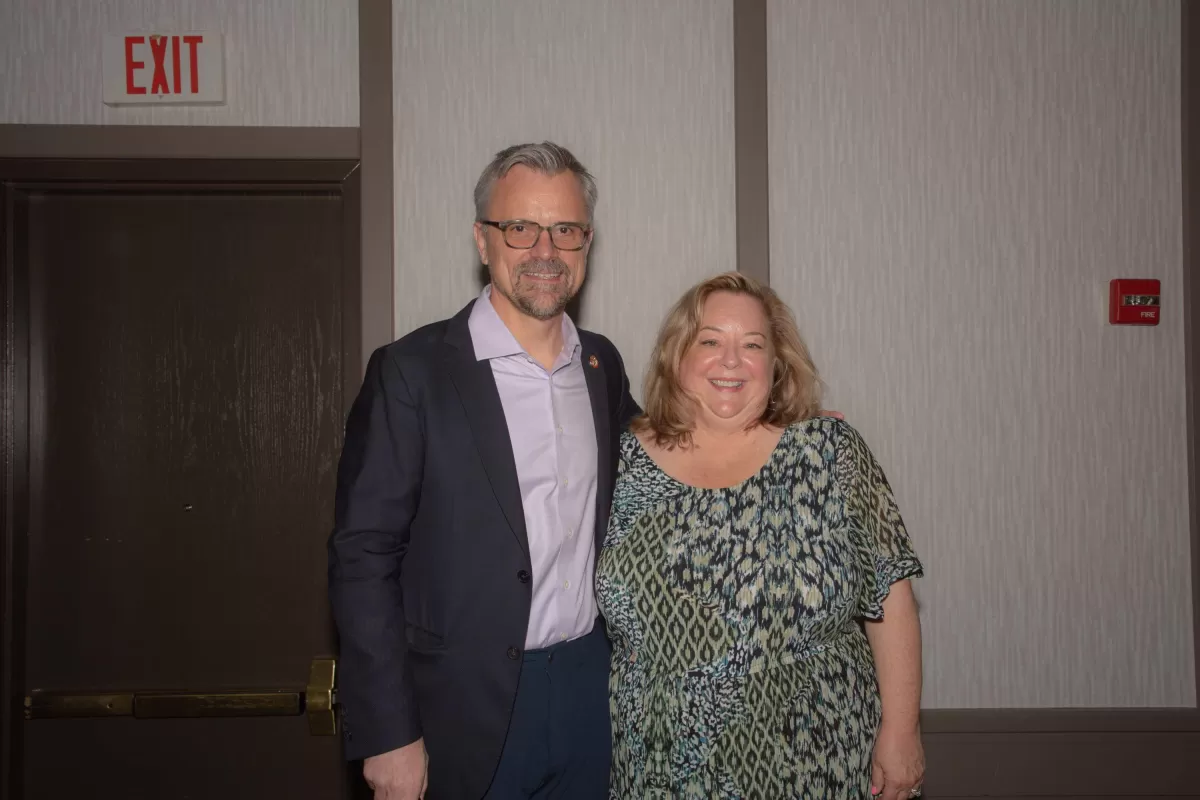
x=570, y=532
x=562, y=637
x=523, y=576
x=566, y=482
x=514, y=653
x=566, y=584
x=559, y=428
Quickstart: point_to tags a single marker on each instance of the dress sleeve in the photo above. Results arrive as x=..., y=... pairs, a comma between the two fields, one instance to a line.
x=885, y=550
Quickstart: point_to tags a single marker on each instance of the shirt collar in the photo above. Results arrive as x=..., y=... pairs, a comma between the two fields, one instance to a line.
x=492, y=338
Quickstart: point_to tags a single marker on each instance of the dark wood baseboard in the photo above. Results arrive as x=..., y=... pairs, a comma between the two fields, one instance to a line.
x=1060, y=720
x=1062, y=753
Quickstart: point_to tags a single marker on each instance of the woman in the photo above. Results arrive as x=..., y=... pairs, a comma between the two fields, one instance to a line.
x=755, y=576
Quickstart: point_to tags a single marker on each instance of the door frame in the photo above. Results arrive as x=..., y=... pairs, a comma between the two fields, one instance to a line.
x=36, y=156
x=370, y=194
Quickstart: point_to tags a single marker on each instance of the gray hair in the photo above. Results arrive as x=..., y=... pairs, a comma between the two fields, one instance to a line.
x=547, y=158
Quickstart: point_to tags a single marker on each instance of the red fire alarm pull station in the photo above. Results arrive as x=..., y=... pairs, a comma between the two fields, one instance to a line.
x=1133, y=301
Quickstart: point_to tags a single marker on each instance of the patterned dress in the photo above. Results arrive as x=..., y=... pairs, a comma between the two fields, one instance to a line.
x=740, y=664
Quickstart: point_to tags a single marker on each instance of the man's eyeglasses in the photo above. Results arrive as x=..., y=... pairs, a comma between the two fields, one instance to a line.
x=521, y=234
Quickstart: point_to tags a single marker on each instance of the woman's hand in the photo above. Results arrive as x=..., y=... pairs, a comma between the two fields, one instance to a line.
x=898, y=763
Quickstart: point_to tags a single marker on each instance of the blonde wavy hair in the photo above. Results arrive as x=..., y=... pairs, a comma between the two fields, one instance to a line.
x=669, y=410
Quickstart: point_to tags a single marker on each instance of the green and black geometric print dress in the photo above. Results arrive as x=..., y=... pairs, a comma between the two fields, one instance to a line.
x=740, y=665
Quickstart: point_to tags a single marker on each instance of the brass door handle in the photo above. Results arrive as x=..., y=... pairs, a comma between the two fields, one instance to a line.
x=316, y=701
x=319, y=697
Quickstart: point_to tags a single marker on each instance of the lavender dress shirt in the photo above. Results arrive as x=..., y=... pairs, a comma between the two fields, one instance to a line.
x=549, y=416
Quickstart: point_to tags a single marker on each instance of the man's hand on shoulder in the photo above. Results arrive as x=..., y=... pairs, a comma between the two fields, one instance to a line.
x=834, y=414
x=401, y=774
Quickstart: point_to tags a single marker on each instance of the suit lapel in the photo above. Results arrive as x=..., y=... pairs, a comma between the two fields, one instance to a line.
x=476, y=387
x=593, y=369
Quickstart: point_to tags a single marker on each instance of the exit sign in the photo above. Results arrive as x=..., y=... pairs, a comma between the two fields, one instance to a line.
x=164, y=68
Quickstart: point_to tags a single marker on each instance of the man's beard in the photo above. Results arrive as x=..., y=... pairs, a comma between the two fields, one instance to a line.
x=538, y=301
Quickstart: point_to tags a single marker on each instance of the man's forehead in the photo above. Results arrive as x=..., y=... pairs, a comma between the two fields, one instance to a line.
x=525, y=187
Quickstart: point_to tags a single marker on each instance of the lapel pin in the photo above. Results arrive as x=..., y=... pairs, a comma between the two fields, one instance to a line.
x=593, y=362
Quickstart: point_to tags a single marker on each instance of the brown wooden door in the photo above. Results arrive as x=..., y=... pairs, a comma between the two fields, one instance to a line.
x=182, y=353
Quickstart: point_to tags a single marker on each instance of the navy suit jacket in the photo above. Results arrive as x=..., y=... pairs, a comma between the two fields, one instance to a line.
x=428, y=542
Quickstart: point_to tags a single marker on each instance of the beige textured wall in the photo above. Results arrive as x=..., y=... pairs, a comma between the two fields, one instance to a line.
x=953, y=186
x=287, y=62
x=644, y=98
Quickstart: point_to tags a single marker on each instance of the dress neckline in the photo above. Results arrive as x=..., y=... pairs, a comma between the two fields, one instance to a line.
x=775, y=451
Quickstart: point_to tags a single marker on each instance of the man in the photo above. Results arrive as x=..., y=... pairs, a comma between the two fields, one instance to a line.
x=473, y=495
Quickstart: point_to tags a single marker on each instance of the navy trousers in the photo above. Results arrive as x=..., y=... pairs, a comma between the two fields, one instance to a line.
x=559, y=744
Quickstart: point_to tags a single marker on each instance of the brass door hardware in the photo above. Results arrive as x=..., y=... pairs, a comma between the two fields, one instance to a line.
x=317, y=701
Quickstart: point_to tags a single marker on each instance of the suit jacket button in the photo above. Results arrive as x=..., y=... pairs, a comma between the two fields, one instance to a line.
x=514, y=653
x=523, y=576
